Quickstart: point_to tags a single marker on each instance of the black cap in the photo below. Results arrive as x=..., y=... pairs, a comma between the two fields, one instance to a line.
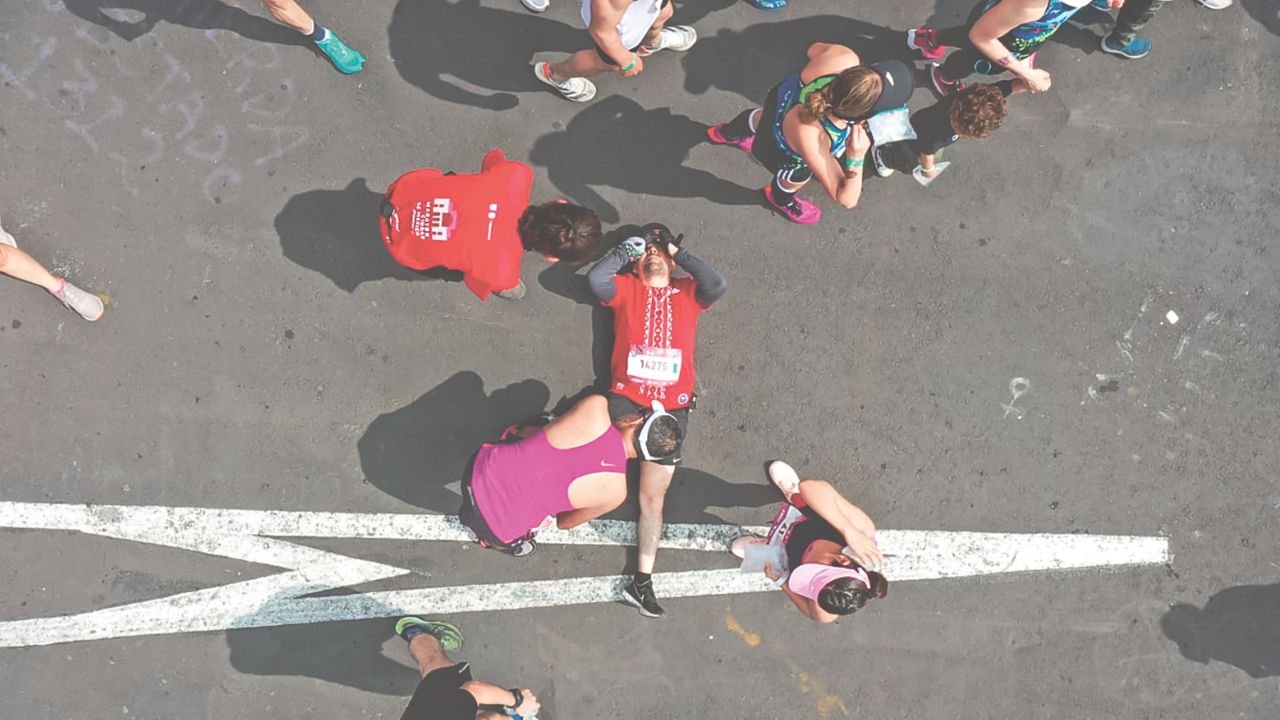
x=898, y=85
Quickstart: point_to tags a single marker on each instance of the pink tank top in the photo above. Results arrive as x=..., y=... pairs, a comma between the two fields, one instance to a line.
x=517, y=485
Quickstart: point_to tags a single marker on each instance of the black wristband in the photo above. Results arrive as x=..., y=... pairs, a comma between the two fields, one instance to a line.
x=519, y=700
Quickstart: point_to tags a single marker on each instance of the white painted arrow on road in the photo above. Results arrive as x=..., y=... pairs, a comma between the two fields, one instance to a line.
x=251, y=536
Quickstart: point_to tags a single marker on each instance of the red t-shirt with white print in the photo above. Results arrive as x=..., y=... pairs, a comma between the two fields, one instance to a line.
x=464, y=222
x=653, y=339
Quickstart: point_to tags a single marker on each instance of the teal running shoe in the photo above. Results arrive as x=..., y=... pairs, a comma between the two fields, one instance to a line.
x=344, y=57
x=447, y=634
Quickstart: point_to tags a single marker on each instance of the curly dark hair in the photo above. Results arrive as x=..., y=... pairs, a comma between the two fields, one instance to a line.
x=978, y=111
x=847, y=596
x=571, y=233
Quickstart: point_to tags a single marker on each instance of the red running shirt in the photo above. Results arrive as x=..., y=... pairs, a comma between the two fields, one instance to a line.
x=653, y=337
x=464, y=222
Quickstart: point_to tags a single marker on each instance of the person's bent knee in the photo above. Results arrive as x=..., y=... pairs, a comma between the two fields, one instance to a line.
x=848, y=204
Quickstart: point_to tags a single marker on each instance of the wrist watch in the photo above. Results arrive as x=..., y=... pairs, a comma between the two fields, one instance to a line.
x=510, y=710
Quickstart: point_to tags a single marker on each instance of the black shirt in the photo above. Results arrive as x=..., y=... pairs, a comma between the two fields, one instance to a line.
x=933, y=124
x=805, y=531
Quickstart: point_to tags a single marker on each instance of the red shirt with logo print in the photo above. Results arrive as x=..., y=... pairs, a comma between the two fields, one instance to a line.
x=464, y=222
x=654, y=330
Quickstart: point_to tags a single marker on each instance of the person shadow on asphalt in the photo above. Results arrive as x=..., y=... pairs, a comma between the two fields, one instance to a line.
x=750, y=61
x=335, y=233
x=1239, y=626
x=616, y=143
x=443, y=45
x=196, y=14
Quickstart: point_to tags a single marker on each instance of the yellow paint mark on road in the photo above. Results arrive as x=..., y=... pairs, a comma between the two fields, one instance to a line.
x=748, y=637
x=824, y=702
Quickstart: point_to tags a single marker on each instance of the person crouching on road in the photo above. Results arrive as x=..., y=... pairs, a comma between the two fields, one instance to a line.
x=827, y=557
x=568, y=471
x=481, y=223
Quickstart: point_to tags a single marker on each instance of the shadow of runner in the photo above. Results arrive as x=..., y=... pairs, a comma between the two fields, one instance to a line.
x=196, y=14
x=617, y=143
x=344, y=653
x=413, y=452
x=1266, y=12
x=1239, y=626
x=751, y=61
x=335, y=233
x=441, y=46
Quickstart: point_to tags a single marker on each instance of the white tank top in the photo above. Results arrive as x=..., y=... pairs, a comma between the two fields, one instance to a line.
x=635, y=22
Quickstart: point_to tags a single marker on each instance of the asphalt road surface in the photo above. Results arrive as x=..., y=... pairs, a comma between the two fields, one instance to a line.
x=217, y=182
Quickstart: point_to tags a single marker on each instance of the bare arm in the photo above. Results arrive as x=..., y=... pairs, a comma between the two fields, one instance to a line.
x=605, y=16
x=811, y=141
x=854, y=525
x=1005, y=16
x=494, y=696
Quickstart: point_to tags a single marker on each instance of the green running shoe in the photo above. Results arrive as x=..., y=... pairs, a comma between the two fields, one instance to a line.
x=448, y=635
x=344, y=57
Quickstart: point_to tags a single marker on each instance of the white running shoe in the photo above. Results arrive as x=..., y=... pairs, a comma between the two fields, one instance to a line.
x=740, y=545
x=785, y=477
x=577, y=89
x=1215, y=4
x=536, y=5
x=87, y=305
x=675, y=37
x=882, y=169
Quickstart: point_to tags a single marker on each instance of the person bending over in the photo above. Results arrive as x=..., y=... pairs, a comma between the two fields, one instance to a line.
x=828, y=547
x=567, y=471
x=973, y=114
x=812, y=126
x=481, y=223
x=999, y=36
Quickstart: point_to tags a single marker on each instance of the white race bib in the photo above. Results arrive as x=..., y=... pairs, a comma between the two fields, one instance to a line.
x=656, y=366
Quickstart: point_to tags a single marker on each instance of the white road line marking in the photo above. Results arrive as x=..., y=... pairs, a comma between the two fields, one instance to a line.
x=276, y=599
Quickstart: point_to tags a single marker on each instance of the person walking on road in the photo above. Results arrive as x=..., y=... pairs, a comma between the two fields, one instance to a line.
x=624, y=33
x=999, y=36
x=564, y=470
x=655, y=324
x=447, y=691
x=18, y=264
x=824, y=547
x=812, y=126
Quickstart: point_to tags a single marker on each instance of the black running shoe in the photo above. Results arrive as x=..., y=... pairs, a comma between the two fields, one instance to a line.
x=642, y=597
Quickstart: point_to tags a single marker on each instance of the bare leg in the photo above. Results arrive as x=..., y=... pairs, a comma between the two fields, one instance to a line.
x=584, y=63
x=427, y=651
x=289, y=12
x=654, y=481
x=18, y=264
x=651, y=38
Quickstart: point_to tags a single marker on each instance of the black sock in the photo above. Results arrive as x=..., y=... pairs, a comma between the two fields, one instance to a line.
x=783, y=197
x=318, y=33
x=643, y=578
x=739, y=127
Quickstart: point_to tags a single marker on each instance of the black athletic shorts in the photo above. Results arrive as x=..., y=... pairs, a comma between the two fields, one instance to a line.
x=605, y=56
x=440, y=696
x=621, y=406
x=766, y=150
x=470, y=515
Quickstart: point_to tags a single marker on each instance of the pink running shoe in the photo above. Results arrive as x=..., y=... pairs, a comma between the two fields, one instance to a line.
x=945, y=87
x=926, y=41
x=799, y=211
x=715, y=133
